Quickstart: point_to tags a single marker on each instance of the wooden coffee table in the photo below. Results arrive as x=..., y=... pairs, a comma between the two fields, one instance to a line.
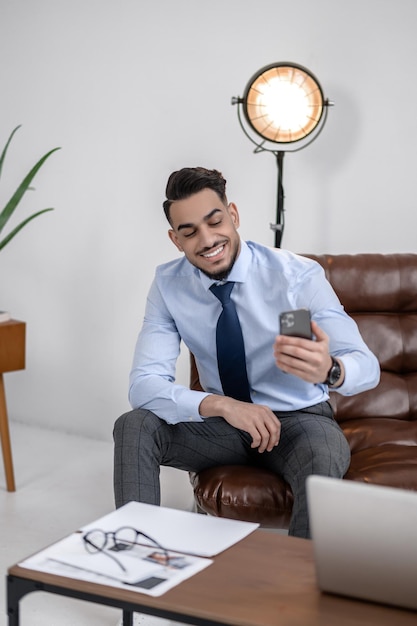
x=266, y=579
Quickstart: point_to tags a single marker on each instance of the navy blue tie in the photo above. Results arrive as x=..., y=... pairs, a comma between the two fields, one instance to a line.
x=230, y=348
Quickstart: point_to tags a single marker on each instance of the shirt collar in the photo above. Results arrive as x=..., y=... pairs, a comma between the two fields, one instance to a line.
x=239, y=269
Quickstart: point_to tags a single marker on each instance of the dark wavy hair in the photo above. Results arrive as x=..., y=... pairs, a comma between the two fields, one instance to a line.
x=190, y=180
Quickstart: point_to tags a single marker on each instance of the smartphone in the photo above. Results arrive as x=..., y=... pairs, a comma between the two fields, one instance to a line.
x=296, y=323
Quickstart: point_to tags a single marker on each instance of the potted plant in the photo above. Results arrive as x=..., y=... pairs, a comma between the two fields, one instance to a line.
x=12, y=204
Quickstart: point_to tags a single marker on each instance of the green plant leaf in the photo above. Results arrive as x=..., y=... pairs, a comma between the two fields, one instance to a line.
x=20, y=191
x=24, y=186
x=14, y=232
x=3, y=154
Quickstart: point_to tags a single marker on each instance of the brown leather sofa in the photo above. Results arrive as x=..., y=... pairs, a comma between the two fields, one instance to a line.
x=380, y=293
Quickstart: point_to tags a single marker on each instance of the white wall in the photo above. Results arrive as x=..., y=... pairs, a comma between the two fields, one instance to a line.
x=132, y=90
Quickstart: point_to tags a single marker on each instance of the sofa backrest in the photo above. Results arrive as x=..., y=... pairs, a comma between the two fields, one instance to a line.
x=379, y=291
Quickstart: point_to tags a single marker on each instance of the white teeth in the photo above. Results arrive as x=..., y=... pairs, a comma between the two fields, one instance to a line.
x=211, y=254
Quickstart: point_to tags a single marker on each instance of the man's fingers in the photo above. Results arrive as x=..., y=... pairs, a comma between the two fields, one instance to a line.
x=257, y=420
x=266, y=433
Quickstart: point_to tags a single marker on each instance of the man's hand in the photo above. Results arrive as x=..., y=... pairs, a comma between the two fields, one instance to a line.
x=305, y=358
x=259, y=421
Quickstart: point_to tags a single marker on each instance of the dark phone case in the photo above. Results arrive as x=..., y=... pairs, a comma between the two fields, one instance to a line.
x=296, y=323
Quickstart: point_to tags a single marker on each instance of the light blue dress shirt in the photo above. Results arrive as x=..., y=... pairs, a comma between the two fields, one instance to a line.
x=268, y=281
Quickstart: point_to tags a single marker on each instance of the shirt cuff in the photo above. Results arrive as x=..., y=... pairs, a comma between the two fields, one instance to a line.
x=352, y=372
x=188, y=403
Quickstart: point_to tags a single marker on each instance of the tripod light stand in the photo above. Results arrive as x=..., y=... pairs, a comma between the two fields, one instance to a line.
x=283, y=105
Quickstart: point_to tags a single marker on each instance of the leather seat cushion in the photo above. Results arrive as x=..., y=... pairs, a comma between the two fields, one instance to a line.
x=244, y=493
x=391, y=465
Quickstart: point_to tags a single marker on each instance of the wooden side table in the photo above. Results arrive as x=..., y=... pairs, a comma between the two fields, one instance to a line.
x=12, y=358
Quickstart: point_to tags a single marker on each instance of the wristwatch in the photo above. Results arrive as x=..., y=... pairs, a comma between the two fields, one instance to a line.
x=334, y=373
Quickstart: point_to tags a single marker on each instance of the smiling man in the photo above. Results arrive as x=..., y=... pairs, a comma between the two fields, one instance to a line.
x=265, y=398
x=205, y=229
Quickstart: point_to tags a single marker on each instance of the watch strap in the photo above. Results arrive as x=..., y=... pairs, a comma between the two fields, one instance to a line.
x=334, y=373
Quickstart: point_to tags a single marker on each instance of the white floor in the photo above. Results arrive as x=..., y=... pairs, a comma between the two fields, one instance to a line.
x=62, y=483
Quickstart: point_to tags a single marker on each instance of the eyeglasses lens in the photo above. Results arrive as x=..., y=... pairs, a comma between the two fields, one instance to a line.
x=95, y=540
x=124, y=539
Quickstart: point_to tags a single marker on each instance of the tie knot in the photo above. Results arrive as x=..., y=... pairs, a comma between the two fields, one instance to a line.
x=222, y=292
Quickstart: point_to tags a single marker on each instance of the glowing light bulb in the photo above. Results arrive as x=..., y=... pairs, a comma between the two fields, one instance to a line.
x=284, y=103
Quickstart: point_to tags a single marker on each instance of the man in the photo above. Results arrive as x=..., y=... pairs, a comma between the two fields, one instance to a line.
x=284, y=422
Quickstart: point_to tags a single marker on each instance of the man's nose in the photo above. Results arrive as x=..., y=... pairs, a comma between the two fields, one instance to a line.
x=207, y=238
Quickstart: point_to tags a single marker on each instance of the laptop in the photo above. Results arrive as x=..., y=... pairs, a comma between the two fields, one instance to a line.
x=364, y=540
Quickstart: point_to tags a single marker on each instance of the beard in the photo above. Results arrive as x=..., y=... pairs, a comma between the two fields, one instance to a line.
x=223, y=274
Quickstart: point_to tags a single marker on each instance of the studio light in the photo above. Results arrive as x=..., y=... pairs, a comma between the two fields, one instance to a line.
x=285, y=110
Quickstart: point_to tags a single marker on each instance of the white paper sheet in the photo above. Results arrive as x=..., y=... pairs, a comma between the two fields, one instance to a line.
x=182, y=531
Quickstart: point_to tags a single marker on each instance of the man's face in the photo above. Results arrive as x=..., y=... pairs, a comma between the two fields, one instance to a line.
x=205, y=229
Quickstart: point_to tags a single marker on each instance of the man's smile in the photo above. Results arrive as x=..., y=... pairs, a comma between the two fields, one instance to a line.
x=214, y=252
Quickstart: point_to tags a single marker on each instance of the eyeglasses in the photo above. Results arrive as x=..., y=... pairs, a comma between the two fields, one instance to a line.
x=124, y=538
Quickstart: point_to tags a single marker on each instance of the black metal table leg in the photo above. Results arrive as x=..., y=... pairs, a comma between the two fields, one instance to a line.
x=16, y=589
x=127, y=618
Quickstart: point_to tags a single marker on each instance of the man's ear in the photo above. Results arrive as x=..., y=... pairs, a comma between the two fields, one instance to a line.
x=234, y=214
x=173, y=236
